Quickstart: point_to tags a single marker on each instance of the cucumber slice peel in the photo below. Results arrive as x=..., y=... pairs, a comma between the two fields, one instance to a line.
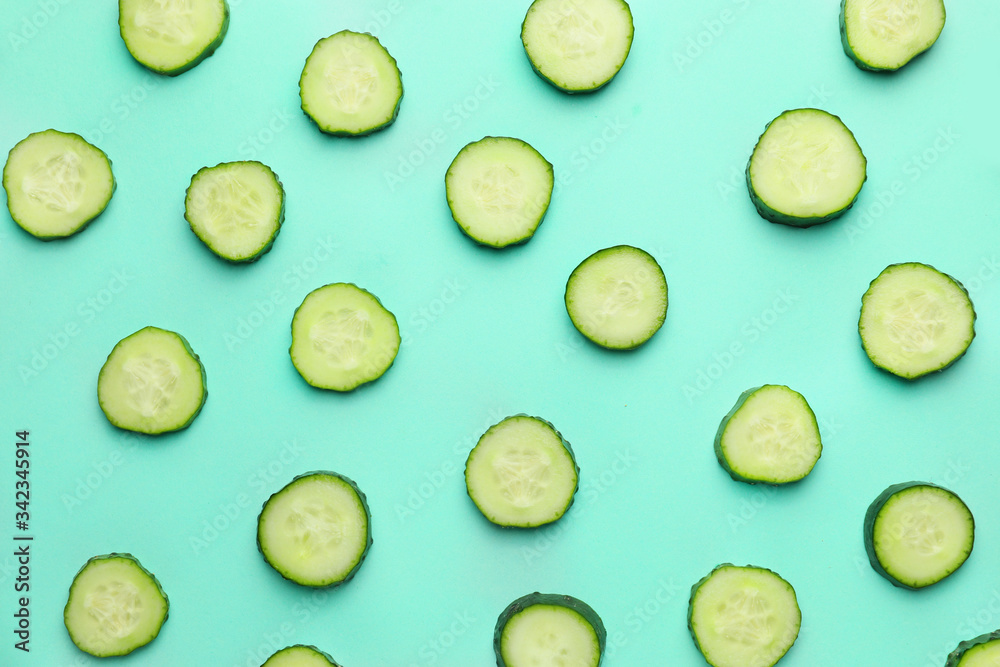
x=884, y=35
x=548, y=630
x=300, y=655
x=981, y=651
x=172, y=36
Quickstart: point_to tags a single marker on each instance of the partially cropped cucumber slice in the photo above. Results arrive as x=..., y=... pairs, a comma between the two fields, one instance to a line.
x=236, y=209
x=617, y=297
x=56, y=183
x=981, y=651
x=316, y=531
x=917, y=533
x=577, y=45
x=743, y=616
x=152, y=382
x=350, y=85
x=115, y=606
x=915, y=320
x=498, y=189
x=886, y=34
x=547, y=630
x=172, y=36
x=522, y=473
x=343, y=337
x=806, y=169
x=300, y=655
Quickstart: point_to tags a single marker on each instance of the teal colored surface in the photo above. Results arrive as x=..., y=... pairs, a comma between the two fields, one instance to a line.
x=654, y=160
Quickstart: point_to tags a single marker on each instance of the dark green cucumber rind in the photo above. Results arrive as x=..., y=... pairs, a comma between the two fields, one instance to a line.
x=722, y=428
x=209, y=50
x=579, y=606
x=861, y=63
x=956, y=656
x=133, y=559
x=869, y=529
x=324, y=654
x=368, y=515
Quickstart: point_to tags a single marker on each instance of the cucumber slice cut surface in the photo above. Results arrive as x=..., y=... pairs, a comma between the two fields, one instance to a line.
x=982, y=651
x=522, y=473
x=316, y=531
x=547, y=630
x=152, y=382
x=343, y=337
x=498, y=189
x=917, y=533
x=300, y=655
x=769, y=436
x=56, y=183
x=350, y=85
x=172, y=36
x=617, y=297
x=743, y=616
x=236, y=209
x=886, y=34
x=115, y=606
x=577, y=45
x=806, y=169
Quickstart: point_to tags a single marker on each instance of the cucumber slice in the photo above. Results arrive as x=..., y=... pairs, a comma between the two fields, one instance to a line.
x=499, y=189
x=236, y=209
x=342, y=337
x=577, y=46
x=172, y=36
x=316, y=531
x=56, y=183
x=152, y=382
x=915, y=320
x=350, y=85
x=917, y=533
x=300, y=655
x=617, y=297
x=806, y=169
x=769, y=436
x=981, y=651
x=882, y=35
x=547, y=630
x=115, y=606
x=743, y=616
x=522, y=473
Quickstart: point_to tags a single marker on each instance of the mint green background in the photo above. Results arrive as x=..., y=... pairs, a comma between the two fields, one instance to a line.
x=654, y=160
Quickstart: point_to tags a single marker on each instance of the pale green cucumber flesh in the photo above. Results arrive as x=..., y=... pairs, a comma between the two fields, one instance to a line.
x=981, y=651
x=548, y=630
x=884, y=35
x=172, y=36
x=300, y=655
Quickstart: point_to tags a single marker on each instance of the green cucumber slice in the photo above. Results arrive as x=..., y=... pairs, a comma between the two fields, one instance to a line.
x=522, y=473
x=577, y=46
x=499, y=189
x=806, y=169
x=617, y=297
x=350, y=85
x=917, y=533
x=884, y=35
x=236, y=209
x=152, y=382
x=548, y=630
x=769, y=436
x=172, y=36
x=56, y=183
x=300, y=655
x=743, y=616
x=115, y=606
x=342, y=337
x=981, y=651
x=915, y=320
x=316, y=531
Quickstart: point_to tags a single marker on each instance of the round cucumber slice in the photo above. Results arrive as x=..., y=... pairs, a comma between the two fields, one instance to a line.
x=115, y=606
x=522, y=473
x=981, y=651
x=617, y=297
x=350, y=85
x=917, y=533
x=56, y=183
x=499, y=189
x=743, y=616
x=300, y=655
x=152, y=382
x=316, y=531
x=884, y=35
x=806, y=169
x=236, y=209
x=172, y=36
x=543, y=629
x=342, y=337
x=577, y=46
x=915, y=320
